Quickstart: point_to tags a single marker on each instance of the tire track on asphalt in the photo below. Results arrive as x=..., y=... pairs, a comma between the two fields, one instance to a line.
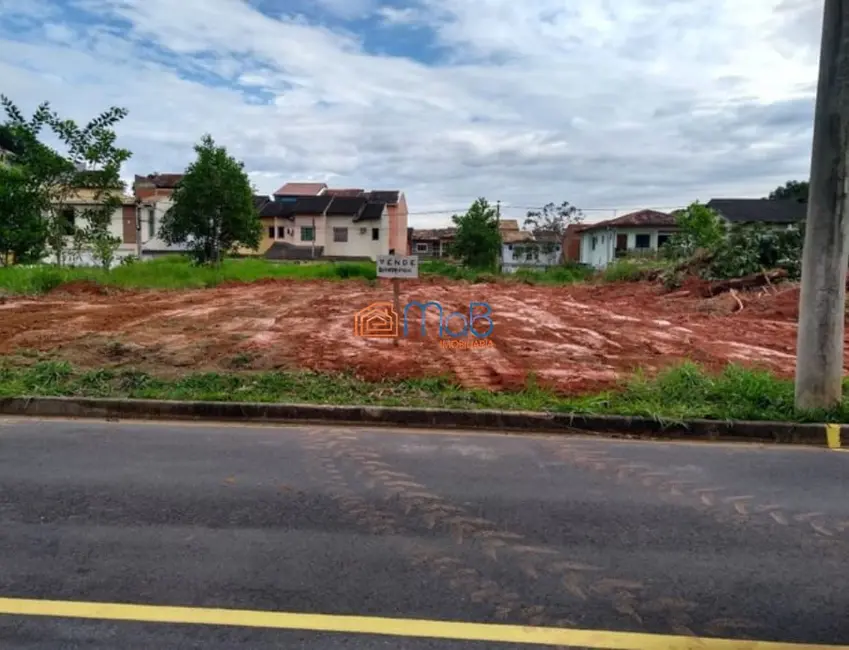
x=502, y=602
x=721, y=502
x=585, y=584
x=718, y=499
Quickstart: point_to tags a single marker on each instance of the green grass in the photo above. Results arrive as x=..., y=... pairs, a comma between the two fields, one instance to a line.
x=174, y=272
x=565, y=274
x=177, y=272
x=679, y=393
x=633, y=268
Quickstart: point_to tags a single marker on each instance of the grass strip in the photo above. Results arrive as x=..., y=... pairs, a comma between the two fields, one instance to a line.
x=676, y=394
x=178, y=272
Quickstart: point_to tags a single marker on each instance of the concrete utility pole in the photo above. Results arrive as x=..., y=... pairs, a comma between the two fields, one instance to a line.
x=138, y=229
x=819, y=347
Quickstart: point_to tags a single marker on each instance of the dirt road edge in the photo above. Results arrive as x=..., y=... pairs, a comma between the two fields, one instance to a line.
x=508, y=421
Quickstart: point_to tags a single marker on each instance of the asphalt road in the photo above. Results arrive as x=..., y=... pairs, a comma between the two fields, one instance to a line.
x=741, y=542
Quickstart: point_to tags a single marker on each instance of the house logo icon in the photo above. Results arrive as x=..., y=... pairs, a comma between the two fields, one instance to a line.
x=377, y=321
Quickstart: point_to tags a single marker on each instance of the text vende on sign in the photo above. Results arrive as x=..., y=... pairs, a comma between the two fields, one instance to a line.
x=397, y=266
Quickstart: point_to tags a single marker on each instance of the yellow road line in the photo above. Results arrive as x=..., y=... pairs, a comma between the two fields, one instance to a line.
x=832, y=435
x=544, y=636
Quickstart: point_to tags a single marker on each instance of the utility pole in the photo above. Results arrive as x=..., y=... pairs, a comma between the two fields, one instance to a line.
x=138, y=229
x=498, y=213
x=819, y=346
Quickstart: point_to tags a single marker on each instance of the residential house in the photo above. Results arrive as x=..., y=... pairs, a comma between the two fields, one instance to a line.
x=523, y=249
x=122, y=225
x=643, y=231
x=432, y=243
x=397, y=217
x=516, y=246
x=572, y=242
x=151, y=213
x=325, y=226
x=508, y=225
x=154, y=187
x=782, y=213
x=394, y=230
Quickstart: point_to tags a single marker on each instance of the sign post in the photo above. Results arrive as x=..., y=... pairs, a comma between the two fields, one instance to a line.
x=397, y=267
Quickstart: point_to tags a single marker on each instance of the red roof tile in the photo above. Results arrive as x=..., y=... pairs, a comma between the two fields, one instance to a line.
x=641, y=218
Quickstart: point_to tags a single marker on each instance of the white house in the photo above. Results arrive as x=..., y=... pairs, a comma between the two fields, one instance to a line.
x=122, y=226
x=151, y=213
x=642, y=231
x=524, y=250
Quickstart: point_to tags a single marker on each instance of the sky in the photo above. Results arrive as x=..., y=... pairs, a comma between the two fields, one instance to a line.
x=607, y=104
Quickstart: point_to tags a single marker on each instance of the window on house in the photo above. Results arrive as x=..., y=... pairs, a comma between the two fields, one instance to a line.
x=421, y=248
x=594, y=241
x=281, y=232
x=307, y=233
x=69, y=216
x=642, y=241
x=271, y=232
x=151, y=223
x=662, y=239
x=340, y=235
x=375, y=234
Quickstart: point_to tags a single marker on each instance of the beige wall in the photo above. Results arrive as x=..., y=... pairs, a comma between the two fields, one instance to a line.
x=359, y=244
x=398, y=218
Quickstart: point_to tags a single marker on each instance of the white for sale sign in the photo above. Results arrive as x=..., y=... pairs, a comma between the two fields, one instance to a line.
x=397, y=266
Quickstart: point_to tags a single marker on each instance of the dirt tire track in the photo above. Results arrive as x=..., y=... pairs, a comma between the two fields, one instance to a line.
x=409, y=495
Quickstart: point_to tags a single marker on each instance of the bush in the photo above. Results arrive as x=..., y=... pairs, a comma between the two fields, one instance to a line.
x=751, y=248
x=346, y=270
x=624, y=270
x=568, y=273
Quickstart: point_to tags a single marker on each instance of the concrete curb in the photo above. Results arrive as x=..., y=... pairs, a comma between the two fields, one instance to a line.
x=512, y=421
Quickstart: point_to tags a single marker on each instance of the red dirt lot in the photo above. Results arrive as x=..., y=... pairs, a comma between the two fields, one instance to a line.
x=574, y=339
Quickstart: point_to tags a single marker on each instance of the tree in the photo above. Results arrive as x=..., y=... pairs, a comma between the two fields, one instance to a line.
x=88, y=172
x=23, y=229
x=213, y=209
x=553, y=218
x=699, y=227
x=791, y=190
x=477, y=241
x=97, y=177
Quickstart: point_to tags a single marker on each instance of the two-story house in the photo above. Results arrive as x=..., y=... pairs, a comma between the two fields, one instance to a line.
x=306, y=220
x=155, y=187
x=325, y=226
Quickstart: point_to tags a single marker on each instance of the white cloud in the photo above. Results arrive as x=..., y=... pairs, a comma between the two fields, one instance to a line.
x=629, y=104
x=400, y=16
